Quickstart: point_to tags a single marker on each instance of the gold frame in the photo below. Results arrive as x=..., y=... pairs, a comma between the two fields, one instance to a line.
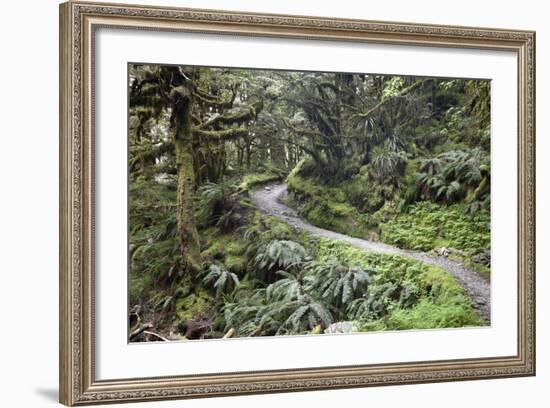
x=78, y=21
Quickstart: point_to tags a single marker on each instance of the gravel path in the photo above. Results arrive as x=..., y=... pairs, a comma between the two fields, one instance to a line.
x=271, y=200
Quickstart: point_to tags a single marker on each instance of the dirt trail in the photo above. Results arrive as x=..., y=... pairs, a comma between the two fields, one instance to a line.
x=271, y=200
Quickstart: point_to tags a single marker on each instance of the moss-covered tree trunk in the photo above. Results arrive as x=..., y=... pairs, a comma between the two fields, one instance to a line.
x=182, y=99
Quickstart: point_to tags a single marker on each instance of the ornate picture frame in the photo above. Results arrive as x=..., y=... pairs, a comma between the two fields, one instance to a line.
x=79, y=22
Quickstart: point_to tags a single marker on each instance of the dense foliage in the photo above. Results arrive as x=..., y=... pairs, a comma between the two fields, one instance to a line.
x=403, y=160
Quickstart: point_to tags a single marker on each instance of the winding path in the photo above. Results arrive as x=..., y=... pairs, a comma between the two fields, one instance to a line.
x=271, y=200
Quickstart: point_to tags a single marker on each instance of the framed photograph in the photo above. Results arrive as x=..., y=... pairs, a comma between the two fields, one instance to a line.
x=256, y=203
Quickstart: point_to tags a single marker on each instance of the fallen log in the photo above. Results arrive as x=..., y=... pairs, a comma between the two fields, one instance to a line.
x=158, y=336
x=139, y=330
x=229, y=334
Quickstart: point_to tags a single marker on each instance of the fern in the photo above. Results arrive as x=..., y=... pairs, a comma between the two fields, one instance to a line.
x=222, y=280
x=286, y=289
x=337, y=283
x=376, y=303
x=456, y=175
x=277, y=255
x=388, y=161
x=303, y=315
x=217, y=204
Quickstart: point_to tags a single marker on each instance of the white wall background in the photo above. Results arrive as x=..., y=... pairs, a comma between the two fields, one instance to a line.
x=28, y=203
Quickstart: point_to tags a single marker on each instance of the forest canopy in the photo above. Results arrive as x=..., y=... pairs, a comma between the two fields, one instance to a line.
x=268, y=202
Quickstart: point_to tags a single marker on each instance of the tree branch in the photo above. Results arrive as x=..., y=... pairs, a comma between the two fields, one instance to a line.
x=245, y=115
x=140, y=330
x=221, y=135
x=385, y=100
x=158, y=336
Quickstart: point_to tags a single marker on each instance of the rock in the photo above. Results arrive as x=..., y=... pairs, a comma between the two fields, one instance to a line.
x=267, y=188
x=443, y=251
x=341, y=327
x=483, y=257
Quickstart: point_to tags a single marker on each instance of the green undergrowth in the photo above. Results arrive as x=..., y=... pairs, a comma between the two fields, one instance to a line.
x=436, y=299
x=152, y=252
x=228, y=248
x=326, y=207
x=428, y=225
x=264, y=277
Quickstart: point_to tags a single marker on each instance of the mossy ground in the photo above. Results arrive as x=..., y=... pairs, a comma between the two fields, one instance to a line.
x=196, y=305
x=228, y=248
x=326, y=207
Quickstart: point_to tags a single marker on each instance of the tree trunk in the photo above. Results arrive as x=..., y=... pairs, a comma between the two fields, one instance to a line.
x=240, y=155
x=181, y=98
x=277, y=149
x=248, y=153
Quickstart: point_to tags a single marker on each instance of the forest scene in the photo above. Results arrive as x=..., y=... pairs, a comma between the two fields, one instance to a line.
x=266, y=203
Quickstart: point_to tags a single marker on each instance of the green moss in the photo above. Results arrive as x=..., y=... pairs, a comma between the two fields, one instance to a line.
x=253, y=180
x=194, y=306
x=269, y=228
x=366, y=194
x=236, y=264
x=387, y=267
x=236, y=247
x=326, y=207
x=227, y=248
x=214, y=251
x=217, y=245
